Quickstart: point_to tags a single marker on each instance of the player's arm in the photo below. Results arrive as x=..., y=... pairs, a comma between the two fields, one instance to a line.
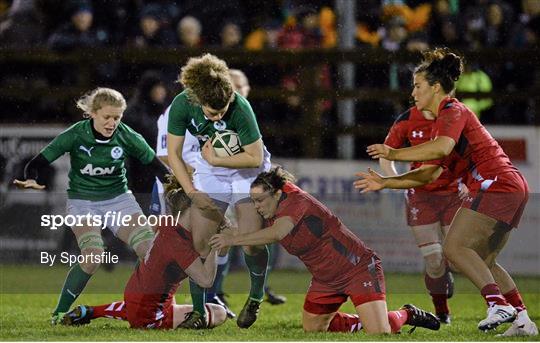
x=281, y=227
x=175, y=145
x=31, y=173
x=251, y=157
x=372, y=181
x=436, y=149
x=204, y=273
x=388, y=167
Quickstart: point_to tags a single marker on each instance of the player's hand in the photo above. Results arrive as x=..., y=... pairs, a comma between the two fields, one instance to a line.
x=463, y=191
x=369, y=182
x=221, y=240
x=377, y=151
x=32, y=184
x=202, y=200
x=208, y=153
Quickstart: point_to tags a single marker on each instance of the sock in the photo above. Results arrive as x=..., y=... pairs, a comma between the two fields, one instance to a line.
x=73, y=286
x=222, y=267
x=257, y=265
x=514, y=298
x=492, y=295
x=344, y=322
x=198, y=297
x=225, y=271
x=438, y=289
x=397, y=319
x=115, y=310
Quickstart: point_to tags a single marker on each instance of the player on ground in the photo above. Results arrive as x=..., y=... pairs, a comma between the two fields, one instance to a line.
x=209, y=104
x=97, y=147
x=149, y=294
x=498, y=191
x=429, y=209
x=341, y=265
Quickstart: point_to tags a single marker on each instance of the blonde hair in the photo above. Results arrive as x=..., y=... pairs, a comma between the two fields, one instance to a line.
x=92, y=101
x=207, y=81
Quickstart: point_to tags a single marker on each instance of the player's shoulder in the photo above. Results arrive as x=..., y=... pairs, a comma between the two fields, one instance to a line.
x=181, y=101
x=241, y=105
x=406, y=116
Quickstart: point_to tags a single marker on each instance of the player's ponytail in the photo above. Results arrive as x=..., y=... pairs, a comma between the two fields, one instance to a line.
x=273, y=180
x=92, y=101
x=442, y=66
x=207, y=81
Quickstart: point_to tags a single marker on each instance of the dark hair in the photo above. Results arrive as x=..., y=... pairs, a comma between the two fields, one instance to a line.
x=177, y=200
x=273, y=180
x=207, y=81
x=442, y=66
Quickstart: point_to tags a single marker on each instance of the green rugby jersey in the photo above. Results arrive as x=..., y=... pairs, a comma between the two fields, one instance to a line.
x=97, y=167
x=185, y=115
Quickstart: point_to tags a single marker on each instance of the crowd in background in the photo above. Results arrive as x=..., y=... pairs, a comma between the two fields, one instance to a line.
x=391, y=25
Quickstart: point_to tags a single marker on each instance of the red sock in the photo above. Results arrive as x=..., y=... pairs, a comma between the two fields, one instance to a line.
x=438, y=289
x=397, y=319
x=344, y=322
x=492, y=295
x=115, y=310
x=514, y=298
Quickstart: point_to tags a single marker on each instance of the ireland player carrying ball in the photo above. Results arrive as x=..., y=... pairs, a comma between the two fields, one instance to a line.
x=97, y=147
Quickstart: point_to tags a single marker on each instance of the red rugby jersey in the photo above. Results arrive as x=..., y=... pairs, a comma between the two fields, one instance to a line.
x=476, y=151
x=319, y=239
x=410, y=129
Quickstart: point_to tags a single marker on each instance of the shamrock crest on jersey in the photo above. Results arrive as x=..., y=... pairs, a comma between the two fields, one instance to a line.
x=117, y=152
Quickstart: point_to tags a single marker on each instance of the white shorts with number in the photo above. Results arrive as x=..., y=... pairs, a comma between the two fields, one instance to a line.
x=118, y=207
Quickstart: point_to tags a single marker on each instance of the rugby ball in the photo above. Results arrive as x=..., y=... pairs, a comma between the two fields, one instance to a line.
x=226, y=143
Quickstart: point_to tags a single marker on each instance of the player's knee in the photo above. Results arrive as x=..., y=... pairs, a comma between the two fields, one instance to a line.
x=90, y=265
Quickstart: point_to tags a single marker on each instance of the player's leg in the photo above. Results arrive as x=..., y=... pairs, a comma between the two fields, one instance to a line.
x=320, y=312
x=215, y=315
x=256, y=258
x=83, y=314
x=90, y=242
x=473, y=238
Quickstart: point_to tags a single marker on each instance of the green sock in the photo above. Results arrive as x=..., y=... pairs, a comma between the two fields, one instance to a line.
x=257, y=265
x=73, y=286
x=198, y=297
x=224, y=272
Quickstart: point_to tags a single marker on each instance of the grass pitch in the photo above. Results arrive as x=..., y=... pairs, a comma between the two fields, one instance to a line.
x=29, y=294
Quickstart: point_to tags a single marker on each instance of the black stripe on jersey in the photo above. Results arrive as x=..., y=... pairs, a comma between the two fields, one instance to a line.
x=315, y=225
x=461, y=145
x=477, y=199
x=181, y=233
x=340, y=248
x=403, y=116
x=372, y=268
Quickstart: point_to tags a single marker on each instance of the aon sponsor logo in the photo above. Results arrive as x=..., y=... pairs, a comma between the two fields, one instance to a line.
x=90, y=170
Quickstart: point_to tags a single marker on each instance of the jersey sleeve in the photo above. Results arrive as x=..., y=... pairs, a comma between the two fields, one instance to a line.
x=178, y=116
x=186, y=256
x=247, y=127
x=59, y=146
x=450, y=123
x=161, y=144
x=138, y=148
x=397, y=135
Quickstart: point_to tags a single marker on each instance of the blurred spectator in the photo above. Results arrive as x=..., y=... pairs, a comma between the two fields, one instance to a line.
x=443, y=27
x=144, y=107
x=301, y=30
x=498, y=23
x=231, y=36
x=78, y=32
x=154, y=29
x=189, y=32
x=23, y=26
x=395, y=34
x=476, y=80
